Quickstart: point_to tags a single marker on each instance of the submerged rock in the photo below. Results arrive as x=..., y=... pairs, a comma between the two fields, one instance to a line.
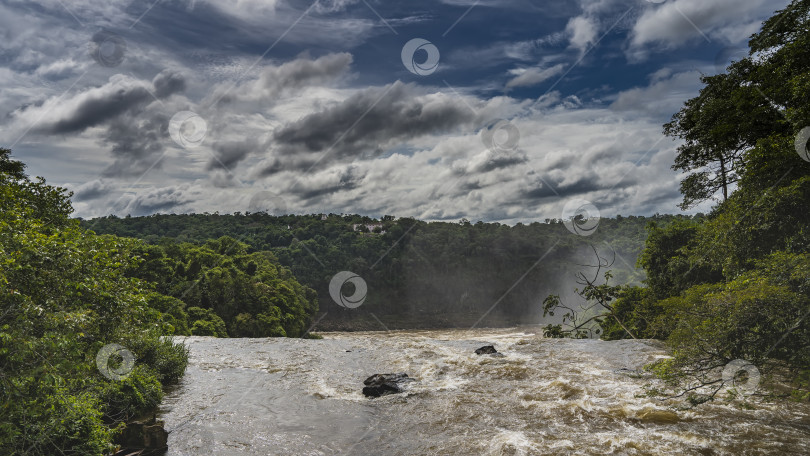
x=486, y=350
x=382, y=384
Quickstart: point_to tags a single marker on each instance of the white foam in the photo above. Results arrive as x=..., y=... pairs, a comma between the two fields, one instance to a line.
x=512, y=443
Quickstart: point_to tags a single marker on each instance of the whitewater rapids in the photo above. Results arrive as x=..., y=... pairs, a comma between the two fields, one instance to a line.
x=544, y=397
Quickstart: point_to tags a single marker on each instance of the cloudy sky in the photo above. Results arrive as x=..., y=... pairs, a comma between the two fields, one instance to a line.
x=494, y=110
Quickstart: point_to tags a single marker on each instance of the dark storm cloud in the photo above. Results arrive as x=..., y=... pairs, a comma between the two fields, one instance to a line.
x=167, y=83
x=229, y=154
x=292, y=76
x=99, y=108
x=106, y=103
x=305, y=72
x=473, y=172
x=320, y=186
x=556, y=188
x=134, y=130
x=501, y=160
x=92, y=190
x=274, y=166
x=470, y=186
x=342, y=186
x=136, y=142
x=371, y=120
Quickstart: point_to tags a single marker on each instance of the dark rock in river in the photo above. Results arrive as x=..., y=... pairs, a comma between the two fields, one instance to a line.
x=630, y=372
x=382, y=384
x=486, y=350
x=144, y=437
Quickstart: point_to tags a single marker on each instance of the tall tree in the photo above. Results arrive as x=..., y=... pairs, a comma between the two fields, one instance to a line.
x=718, y=127
x=783, y=45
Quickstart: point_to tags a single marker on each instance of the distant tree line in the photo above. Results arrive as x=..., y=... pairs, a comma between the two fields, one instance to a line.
x=419, y=274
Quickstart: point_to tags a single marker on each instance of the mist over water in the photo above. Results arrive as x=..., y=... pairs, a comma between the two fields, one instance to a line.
x=544, y=397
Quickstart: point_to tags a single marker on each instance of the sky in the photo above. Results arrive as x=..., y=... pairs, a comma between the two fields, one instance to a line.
x=493, y=110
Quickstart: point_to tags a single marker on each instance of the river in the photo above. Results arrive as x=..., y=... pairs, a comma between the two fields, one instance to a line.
x=544, y=397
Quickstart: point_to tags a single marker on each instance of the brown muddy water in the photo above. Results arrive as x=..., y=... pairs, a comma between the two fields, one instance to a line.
x=544, y=397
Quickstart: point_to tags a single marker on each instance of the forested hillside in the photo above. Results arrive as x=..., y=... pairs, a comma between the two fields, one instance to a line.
x=418, y=274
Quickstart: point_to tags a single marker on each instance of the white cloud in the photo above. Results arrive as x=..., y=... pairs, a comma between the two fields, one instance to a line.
x=677, y=22
x=663, y=97
x=569, y=146
x=582, y=31
x=565, y=150
x=532, y=76
x=246, y=10
x=614, y=159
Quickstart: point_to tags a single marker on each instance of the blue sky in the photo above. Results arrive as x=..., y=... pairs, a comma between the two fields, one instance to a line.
x=310, y=107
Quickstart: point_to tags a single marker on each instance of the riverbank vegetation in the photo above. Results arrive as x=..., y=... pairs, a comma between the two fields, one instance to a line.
x=67, y=295
x=735, y=284
x=64, y=295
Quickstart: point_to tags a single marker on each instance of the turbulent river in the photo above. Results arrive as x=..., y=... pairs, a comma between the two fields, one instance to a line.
x=544, y=397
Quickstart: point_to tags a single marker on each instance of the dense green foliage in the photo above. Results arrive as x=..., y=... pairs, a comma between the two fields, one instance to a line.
x=418, y=274
x=736, y=284
x=64, y=294
x=227, y=291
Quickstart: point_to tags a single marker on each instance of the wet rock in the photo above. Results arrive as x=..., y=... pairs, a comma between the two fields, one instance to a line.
x=658, y=416
x=147, y=436
x=486, y=350
x=382, y=384
x=629, y=372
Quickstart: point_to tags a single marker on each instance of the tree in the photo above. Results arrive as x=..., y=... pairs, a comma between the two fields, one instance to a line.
x=11, y=169
x=728, y=118
x=428, y=274
x=783, y=45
